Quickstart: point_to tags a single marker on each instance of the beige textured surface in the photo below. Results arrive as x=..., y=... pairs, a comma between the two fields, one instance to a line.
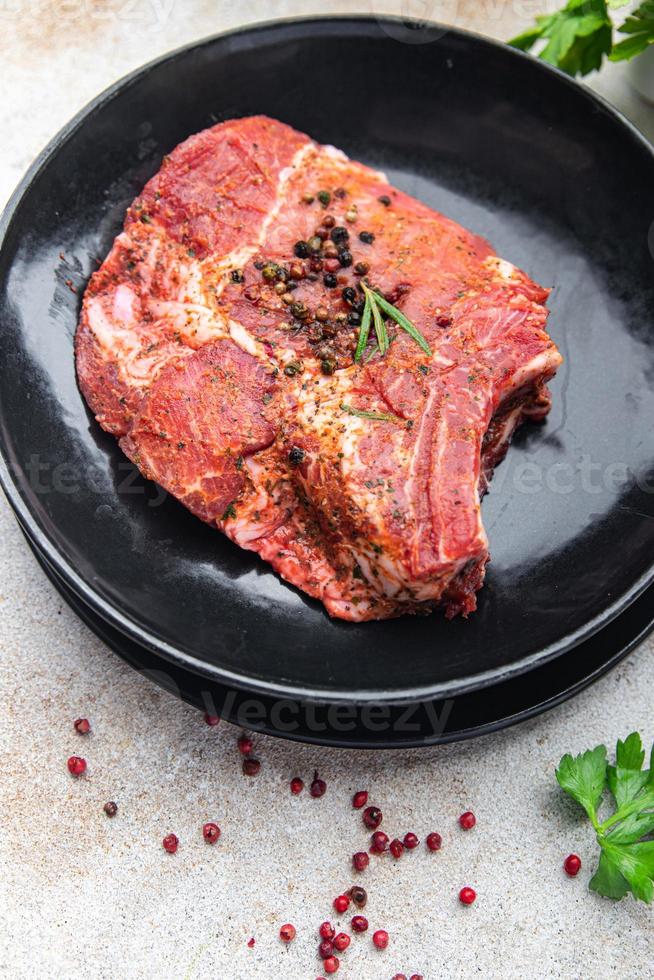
x=84, y=896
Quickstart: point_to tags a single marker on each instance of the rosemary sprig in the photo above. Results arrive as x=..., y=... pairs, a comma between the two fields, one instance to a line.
x=377, y=416
x=364, y=329
x=374, y=305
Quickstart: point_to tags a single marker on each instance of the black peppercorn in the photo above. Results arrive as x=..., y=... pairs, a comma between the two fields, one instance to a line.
x=385, y=200
x=237, y=276
x=296, y=456
x=330, y=280
x=349, y=295
x=345, y=257
x=339, y=235
x=366, y=237
x=354, y=318
x=301, y=249
x=324, y=197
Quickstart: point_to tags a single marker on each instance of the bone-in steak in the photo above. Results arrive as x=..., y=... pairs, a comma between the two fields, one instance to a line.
x=217, y=342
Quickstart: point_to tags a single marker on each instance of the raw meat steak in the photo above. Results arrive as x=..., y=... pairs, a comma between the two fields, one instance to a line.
x=217, y=343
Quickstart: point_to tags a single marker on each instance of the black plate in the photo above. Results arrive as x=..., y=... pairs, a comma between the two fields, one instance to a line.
x=559, y=182
x=419, y=723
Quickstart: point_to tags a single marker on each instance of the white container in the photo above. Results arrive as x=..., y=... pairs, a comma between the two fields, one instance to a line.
x=640, y=72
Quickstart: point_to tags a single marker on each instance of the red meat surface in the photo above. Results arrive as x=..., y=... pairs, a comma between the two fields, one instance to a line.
x=223, y=361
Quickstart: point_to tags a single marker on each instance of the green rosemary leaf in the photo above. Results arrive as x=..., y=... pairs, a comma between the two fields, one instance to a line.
x=402, y=322
x=364, y=329
x=376, y=416
x=380, y=326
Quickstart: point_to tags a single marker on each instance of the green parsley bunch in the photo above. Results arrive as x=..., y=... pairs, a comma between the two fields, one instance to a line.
x=577, y=37
x=626, y=861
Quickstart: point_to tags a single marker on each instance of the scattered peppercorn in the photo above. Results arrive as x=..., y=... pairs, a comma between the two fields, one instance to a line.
x=292, y=368
x=358, y=895
x=366, y=237
x=251, y=767
x=467, y=896
x=330, y=280
x=211, y=720
x=237, y=276
x=324, y=197
x=360, y=799
x=467, y=820
x=379, y=841
x=81, y=726
x=328, y=365
x=359, y=923
x=572, y=865
x=342, y=941
x=345, y=258
x=442, y=320
x=380, y=939
x=245, y=745
x=326, y=949
x=327, y=930
x=329, y=221
x=434, y=841
x=110, y=808
x=410, y=841
x=308, y=197
x=351, y=215
x=315, y=243
x=396, y=847
x=385, y=200
x=287, y=933
x=251, y=942
x=76, y=765
x=360, y=861
x=170, y=843
x=211, y=832
x=362, y=268
x=372, y=817
x=297, y=786
x=341, y=904
x=331, y=965
x=301, y=249
x=318, y=786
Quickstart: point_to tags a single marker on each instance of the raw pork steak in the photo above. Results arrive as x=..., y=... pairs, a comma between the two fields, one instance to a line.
x=217, y=343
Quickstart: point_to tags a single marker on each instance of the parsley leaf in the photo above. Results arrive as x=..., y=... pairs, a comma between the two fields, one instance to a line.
x=577, y=37
x=584, y=777
x=626, y=855
x=640, y=25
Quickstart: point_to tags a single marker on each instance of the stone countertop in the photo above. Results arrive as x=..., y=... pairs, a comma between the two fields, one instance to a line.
x=82, y=895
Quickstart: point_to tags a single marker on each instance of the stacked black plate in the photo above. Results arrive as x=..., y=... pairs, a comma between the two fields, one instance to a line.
x=561, y=185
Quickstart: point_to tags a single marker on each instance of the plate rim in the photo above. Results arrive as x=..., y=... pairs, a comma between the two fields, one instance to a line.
x=112, y=613
x=93, y=622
